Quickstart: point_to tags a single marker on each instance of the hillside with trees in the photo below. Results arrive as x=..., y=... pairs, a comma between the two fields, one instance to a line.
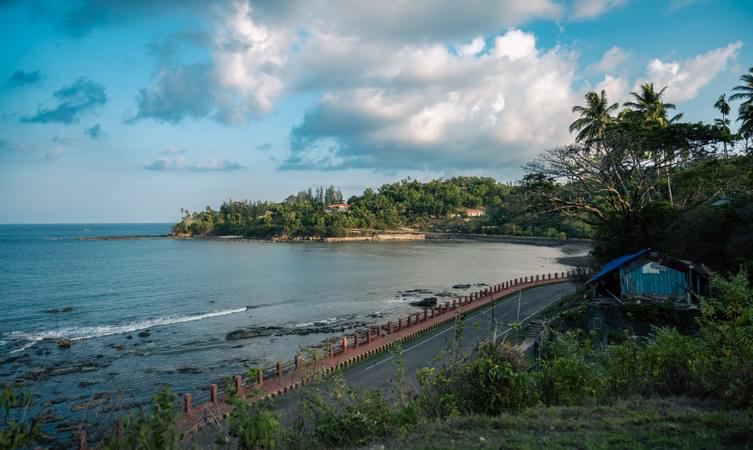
x=437, y=205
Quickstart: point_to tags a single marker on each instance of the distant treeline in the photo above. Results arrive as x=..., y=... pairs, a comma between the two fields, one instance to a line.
x=438, y=205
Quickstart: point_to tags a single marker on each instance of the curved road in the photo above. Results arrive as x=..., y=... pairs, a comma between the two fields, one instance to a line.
x=432, y=349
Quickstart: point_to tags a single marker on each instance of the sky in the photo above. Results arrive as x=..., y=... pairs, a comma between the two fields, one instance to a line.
x=128, y=111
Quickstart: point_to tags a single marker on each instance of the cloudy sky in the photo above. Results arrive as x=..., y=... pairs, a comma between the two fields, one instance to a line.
x=127, y=111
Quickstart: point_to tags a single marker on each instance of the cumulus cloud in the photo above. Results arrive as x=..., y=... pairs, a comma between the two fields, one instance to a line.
x=72, y=101
x=686, y=77
x=428, y=107
x=174, y=160
x=95, y=132
x=616, y=88
x=22, y=78
x=243, y=79
x=611, y=60
x=589, y=9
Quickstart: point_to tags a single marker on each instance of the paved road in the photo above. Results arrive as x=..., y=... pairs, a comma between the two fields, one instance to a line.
x=432, y=349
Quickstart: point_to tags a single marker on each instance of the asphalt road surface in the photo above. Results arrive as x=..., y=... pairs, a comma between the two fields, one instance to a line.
x=433, y=348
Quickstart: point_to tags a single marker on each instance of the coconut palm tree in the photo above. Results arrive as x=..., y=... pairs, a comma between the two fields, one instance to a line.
x=746, y=127
x=593, y=119
x=649, y=102
x=724, y=108
x=744, y=92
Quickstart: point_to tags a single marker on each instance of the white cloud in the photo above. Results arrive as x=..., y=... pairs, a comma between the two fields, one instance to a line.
x=616, y=88
x=686, y=77
x=611, y=60
x=589, y=9
x=423, y=106
x=174, y=160
x=515, y=45
x=472, y=48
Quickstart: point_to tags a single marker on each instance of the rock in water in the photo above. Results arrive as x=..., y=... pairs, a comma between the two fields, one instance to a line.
x=145, y=333
x=428, y=302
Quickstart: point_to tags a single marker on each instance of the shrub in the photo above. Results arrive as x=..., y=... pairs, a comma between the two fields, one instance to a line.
x=154, y=429
x=494, y=380
x=15, y=430
x=254, y=425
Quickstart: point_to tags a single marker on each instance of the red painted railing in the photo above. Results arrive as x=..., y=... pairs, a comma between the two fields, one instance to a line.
x=208, y=406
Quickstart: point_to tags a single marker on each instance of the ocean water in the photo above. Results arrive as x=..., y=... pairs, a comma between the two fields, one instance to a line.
x=188, y=294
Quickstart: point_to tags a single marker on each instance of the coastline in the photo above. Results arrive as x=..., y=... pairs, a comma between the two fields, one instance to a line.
x=373, y=237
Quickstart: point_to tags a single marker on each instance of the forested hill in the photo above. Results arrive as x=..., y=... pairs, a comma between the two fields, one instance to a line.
x=440, y=205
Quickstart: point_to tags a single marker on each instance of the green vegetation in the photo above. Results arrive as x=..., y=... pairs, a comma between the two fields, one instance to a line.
x=16, y=430
x=436, y=205
x=642, y=178
x=625, y=424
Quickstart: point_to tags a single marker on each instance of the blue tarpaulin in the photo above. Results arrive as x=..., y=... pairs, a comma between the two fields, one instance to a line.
x=616, y=264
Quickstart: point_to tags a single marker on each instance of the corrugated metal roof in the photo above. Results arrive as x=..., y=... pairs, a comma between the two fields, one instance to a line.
x=616, y=264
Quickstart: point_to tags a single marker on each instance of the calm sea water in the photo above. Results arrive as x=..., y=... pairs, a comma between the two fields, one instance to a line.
x=190, y=294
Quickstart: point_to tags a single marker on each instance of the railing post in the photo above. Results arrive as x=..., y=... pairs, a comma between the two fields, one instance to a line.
x=355, y=339
x=426, y=314
x=345, y=343
x=213, y=393
x=187, y=403
x=297, y=361
x=331, y=350
x=260, y=376
x=389, y=327
x=279, y=370
x=239, y=384
x=453, y=304
x=399, y=323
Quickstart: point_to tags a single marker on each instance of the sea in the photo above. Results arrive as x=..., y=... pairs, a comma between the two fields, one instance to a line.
x=144, y=313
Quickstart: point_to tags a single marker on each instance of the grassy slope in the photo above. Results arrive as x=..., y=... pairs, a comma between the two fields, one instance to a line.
x=631, y=424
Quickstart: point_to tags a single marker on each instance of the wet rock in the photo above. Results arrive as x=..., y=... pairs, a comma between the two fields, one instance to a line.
x=66, y=427
x=428, y=302
x=129, y=337
x=54, y=401
x=48, y=416
x=252, y=333
x=87, y=383
x=23, y=358
x=66, y=309
x=119, y=347
x=145, y=333
x=462, y=286
x=274, y=331
x=189, y=370
x=98, y=399
x=415, y=291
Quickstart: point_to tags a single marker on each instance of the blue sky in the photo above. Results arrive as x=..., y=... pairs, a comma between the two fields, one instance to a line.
x=118, y=111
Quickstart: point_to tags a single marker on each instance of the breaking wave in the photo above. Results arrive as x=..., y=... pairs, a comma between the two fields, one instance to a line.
x=80, y=333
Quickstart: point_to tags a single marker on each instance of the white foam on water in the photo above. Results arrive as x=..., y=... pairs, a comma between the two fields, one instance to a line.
x=80, y=333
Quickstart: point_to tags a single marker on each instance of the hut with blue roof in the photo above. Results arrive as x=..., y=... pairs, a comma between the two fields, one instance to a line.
x=651, y=276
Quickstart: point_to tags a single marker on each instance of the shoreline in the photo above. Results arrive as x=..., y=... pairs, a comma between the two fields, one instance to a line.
x=376, y=237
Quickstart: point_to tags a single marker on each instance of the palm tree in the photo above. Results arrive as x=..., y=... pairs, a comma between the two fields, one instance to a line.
x=744, y=92
x=594, y=118
x=746, y=127
x=724, y=108
x=649, y=104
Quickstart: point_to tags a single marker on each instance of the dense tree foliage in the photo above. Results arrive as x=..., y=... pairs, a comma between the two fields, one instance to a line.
x=435, y=205
x=643, y=179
